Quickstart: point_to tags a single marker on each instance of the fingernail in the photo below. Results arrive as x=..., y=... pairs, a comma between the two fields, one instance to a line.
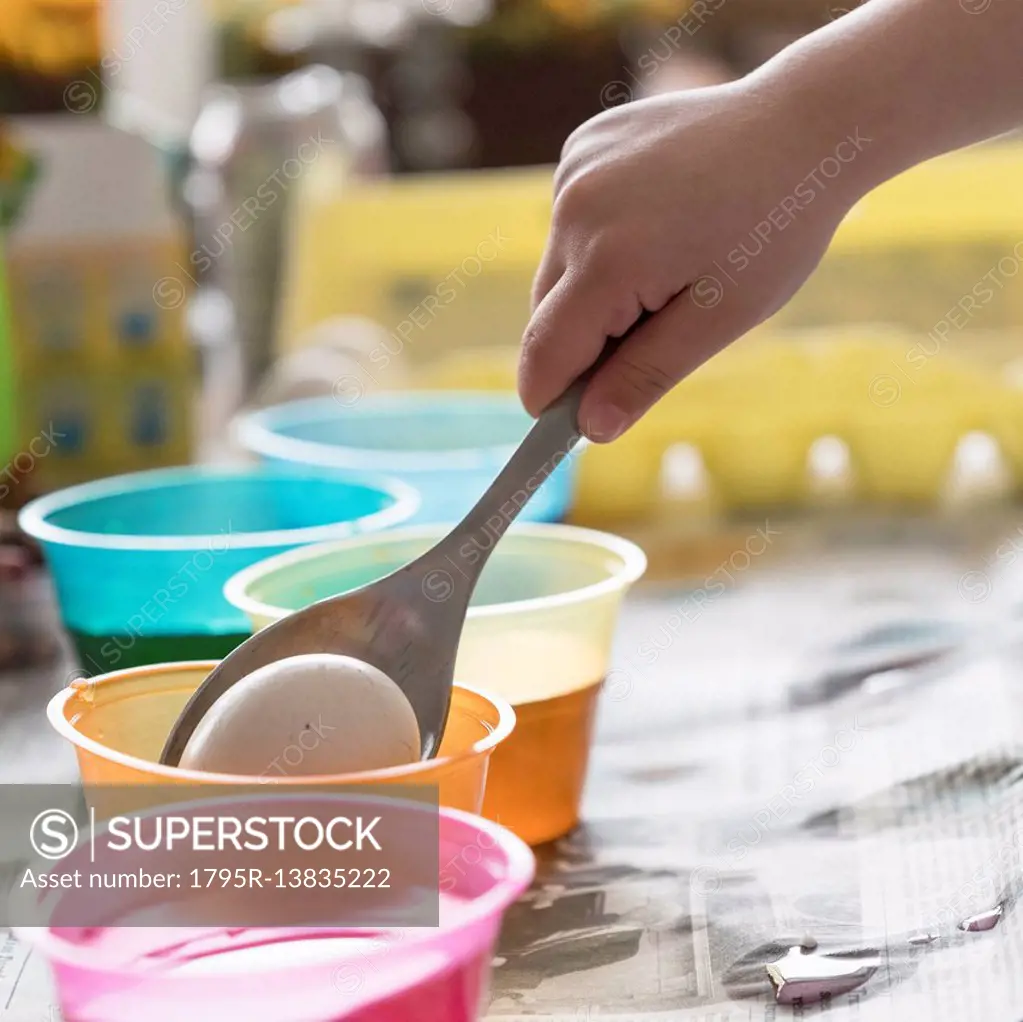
x=605, y=423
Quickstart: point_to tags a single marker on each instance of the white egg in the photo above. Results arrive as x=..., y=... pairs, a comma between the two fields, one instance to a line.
x=305, y=715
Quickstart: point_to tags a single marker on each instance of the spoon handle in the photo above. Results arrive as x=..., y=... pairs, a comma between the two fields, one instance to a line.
x=552, y=438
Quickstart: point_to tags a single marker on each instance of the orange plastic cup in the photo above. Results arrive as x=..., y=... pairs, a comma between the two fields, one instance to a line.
x=539, y=633
x=119, y=722
x=536, y=784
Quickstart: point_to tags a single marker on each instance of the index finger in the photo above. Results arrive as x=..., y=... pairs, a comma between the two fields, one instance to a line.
x=566, y=334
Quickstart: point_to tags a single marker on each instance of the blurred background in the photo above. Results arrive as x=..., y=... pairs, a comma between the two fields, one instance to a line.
x=211, y=208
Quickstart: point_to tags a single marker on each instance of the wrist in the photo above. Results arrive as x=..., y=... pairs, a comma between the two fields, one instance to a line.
x=918, y=78
x=828, y=138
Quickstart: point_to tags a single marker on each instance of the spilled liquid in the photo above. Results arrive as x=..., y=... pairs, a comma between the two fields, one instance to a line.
x=804, y=974
x=983, y=921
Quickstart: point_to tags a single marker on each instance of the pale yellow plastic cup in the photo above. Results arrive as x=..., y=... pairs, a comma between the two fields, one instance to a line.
x=118, y=724
x=538, y=634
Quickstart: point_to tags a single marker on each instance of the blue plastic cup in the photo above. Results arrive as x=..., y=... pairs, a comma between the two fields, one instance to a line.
x=448, y=446
x=139, y=561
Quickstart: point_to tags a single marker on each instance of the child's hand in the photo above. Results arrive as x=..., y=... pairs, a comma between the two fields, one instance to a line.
x=708, y=208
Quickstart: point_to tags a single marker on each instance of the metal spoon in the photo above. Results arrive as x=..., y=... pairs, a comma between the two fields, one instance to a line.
x=407, y=624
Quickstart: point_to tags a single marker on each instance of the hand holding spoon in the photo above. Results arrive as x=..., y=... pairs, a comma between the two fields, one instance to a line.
x=409, y=623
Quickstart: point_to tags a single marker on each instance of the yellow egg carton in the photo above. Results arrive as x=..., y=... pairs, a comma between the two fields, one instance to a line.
x=891, y=402
x=937, y=249
x=446, y=261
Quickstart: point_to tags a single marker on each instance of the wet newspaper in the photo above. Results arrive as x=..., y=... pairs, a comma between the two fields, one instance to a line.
x=805, y=799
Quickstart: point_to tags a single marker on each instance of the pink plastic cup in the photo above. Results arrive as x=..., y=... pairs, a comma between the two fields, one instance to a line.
x=289, y=974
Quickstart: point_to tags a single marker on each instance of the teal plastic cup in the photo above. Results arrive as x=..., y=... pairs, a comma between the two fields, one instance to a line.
x=139, y=561
x=448, y=445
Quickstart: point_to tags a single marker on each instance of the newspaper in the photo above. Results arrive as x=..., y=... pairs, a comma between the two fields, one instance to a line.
x=745, y=809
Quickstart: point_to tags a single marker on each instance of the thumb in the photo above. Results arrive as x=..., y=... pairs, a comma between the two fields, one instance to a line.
x=659, y=354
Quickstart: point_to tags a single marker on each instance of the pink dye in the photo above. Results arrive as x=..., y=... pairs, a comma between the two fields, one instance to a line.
x=166, y=975
x=144, y=973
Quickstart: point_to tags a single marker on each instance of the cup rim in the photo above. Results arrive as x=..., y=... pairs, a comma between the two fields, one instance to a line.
x=634, y=565
x=506, y=720
x=257, y=432
x=521, y=869
x=34, y=517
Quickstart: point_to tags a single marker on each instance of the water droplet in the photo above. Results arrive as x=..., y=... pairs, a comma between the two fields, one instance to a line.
x=807, y=976
x=918, y=939
x=983, y=921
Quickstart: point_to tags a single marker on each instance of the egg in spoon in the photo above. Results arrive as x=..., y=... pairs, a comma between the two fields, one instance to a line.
x=308, y=715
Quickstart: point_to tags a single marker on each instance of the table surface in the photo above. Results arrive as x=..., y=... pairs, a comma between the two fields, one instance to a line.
x=609, y=926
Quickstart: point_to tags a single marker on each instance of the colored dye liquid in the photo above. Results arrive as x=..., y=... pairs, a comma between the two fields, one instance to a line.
x=212, y=969
x=528, y=666
x=99, y=654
